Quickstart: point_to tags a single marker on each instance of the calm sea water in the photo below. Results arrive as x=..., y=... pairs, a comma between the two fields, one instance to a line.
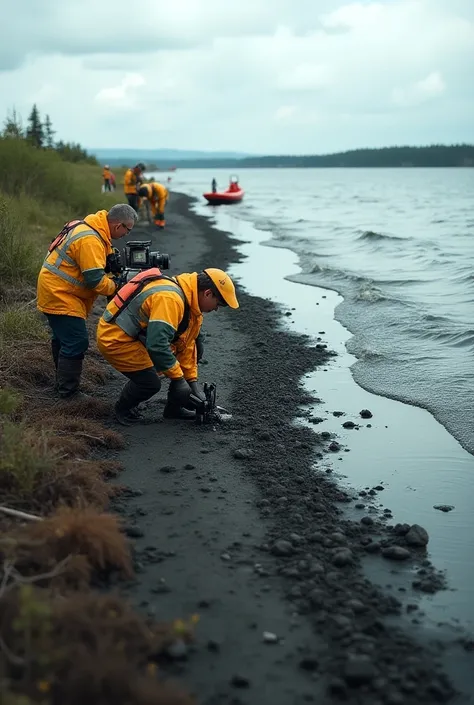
x=398, y=244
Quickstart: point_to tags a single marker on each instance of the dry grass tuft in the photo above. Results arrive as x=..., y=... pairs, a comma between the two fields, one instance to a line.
x=85, y=532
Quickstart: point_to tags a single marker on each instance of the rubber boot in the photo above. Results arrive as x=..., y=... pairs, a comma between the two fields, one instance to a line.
x=173, y=410
x=126, y=412
x=69, y=377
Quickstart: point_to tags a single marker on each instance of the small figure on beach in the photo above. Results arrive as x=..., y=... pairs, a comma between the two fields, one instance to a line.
x=157, y=196
x=132, y=181
x=106, y=175
x=214, y=186
x=72, y=277
x=156, y=334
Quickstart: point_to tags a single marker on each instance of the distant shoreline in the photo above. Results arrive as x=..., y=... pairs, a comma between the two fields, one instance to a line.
x=433, y=156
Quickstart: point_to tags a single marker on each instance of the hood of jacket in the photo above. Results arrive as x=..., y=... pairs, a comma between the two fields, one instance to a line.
x=98, y=221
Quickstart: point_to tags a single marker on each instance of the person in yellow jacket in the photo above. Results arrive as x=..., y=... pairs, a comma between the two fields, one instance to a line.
x=131, y=183
x=157, y=195
x=149, y=330
x=72, y=276
x=106, y=175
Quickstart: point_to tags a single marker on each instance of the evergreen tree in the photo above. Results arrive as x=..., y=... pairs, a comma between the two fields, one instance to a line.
x=35, y=130
x=48, y=133
x=13, y=127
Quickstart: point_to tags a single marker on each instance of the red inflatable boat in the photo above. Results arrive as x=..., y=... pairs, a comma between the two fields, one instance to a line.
x=233, y=194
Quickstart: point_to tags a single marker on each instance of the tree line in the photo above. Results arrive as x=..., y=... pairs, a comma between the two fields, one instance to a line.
x=435, y=155
x=39, y=133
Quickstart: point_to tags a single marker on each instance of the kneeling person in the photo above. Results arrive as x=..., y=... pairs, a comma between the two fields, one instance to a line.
x=150, y=329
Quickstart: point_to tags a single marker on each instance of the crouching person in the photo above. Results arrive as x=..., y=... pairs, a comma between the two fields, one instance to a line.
x=71, y=278
x=149, y=330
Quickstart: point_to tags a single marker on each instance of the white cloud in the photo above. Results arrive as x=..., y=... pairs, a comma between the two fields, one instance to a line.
x=123, y=94
x=419, y=92
x=290, y=75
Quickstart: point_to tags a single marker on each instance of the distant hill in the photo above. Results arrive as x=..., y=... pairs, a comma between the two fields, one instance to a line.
x=436, y=155
x=157, y=156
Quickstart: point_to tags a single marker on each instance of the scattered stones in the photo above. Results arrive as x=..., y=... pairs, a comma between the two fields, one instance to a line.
x=417, y=536
x=338, y=413
x=366, y=414
x=334, y=447
x=348, y=424
x=444, y=507
x=396, y=553
x=368, y=521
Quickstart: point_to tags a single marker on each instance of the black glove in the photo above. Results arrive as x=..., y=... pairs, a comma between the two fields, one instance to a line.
x=200, y=347
x=179, y=391
x=197, y=391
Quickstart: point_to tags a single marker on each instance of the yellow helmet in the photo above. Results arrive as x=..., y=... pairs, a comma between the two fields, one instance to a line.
x=224, y=285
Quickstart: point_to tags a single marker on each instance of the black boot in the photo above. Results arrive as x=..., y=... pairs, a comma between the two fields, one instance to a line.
x=173, y=410
x=69, y=377
x=126, y=411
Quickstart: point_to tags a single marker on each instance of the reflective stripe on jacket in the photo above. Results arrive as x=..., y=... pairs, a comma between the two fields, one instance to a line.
x=72, y=275
x=154, y=316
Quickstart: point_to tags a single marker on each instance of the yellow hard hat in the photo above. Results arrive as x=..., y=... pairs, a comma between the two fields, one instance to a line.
x=224, y=285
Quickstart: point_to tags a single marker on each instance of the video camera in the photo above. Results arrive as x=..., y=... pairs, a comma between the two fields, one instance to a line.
x=135, y=257
x=207, y=411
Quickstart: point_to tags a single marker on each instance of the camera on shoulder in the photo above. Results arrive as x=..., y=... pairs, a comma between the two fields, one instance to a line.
x=135, y=257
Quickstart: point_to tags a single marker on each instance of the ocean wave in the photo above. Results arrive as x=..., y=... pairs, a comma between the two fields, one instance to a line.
x=371, y=235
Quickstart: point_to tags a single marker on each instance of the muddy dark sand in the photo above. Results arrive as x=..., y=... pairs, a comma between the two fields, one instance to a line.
x=241, y=525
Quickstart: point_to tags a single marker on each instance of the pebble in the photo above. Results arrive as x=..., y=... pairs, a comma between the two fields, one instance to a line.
x=334, y=447
x=225, y=556
x=239, y=681
x=282, y=548
x=177, y=650
x=269, y=638
x=134, y=532
x=348, y=424
x=368, y=521
x=366, y=414
x=359, y=670
x=417, y=536
x=167, y=468
x=243, y=453
x=342, y=557
x=396, y=553
x=444, y=507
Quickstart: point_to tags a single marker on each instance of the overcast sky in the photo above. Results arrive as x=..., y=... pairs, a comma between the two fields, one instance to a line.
x=259, y=76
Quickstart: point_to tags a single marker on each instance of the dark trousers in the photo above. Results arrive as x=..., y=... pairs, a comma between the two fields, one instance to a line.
x=69, y=335
x=107, y=185
x=132, y=199
x=142, y=385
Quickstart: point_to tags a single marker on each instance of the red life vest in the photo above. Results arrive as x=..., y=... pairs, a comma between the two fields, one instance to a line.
x=131, y=289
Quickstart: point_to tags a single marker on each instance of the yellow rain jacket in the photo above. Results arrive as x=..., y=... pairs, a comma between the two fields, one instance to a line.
x=72, y=275
x=156, y=313
x=157, y=196
x=130, y=181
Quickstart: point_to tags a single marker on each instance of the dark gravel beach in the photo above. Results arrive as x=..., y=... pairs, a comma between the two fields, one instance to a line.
x=242, y=525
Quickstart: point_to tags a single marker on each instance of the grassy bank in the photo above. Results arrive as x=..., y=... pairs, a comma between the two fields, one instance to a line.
x=60, y=641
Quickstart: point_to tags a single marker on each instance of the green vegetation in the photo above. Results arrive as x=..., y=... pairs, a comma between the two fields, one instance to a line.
x=40, y=134
x=61, y=641
x=436, y=155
